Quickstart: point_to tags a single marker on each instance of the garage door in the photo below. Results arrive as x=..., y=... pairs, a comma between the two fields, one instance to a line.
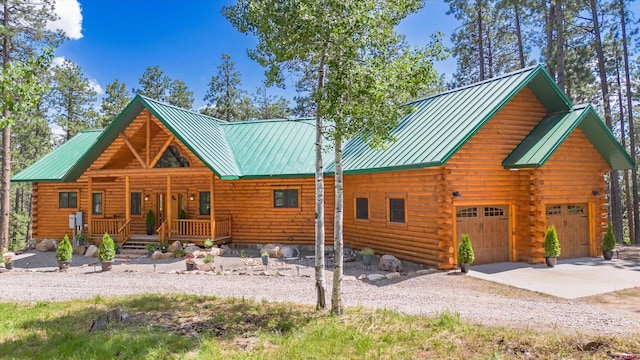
x=488, y=228
x=572, y=224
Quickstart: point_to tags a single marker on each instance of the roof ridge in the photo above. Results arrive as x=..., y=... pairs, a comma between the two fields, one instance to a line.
x=257, y=121
x=503, y=76
x=146, y=98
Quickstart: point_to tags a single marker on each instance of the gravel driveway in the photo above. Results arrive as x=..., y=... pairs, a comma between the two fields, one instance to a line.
x=35, y=277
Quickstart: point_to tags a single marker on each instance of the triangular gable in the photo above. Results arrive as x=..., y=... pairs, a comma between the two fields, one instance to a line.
x=443, y=123
x=554, y=129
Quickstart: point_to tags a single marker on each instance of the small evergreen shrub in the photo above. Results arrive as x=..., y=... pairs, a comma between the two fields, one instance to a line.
x=208, y=243
x=208, y=259
x=608, y=241
x=465, y=251
x=64, y=251
x=150, y=220
x=551, y=244
x=367, y=251
x=182, y=214
x=107, y=249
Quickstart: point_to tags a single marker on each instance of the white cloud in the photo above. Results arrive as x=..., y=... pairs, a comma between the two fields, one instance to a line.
x=96, y=87
x=70, y=18
x=58, y=60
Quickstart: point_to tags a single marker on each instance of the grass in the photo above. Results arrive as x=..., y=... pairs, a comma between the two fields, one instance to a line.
x=197, y=327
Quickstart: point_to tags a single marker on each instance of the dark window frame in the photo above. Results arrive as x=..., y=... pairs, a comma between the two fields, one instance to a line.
x=397, y=207
x=132, y=203
x=360, y=202
x=93, y=203
x=204, y=208
x=65, y=200
x=290, y=198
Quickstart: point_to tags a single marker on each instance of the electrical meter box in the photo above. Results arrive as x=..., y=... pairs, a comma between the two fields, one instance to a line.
x=72, y=221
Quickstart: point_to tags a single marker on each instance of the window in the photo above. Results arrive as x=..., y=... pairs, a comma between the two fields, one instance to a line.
x=471, y=212
x=362, y=208
x=68, y=200
x=554, y=210
x=396, y=210
x=136, y=203
x=96, y=203
x=285, y=198
x=205, y=203
x=575, y=209
x=492, y=212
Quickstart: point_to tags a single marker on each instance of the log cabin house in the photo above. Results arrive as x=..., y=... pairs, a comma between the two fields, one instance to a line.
x=500, y=160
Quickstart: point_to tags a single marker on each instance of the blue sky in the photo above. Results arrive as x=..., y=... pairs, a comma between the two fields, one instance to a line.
x=118, y=39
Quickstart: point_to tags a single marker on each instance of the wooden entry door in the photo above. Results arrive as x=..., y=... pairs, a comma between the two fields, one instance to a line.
x=572, y=225
x=488, y=229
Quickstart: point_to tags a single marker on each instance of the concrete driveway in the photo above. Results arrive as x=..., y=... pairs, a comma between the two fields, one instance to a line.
x=569, y=279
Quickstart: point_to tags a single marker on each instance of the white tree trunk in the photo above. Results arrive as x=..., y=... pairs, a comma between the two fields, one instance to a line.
x=321, y=287
x=336, y=295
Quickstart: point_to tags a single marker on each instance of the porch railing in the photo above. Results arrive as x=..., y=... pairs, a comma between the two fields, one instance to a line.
x=189, y=228
x=223, y=226
x=162, y=231
x=111, y=226
x=124, y=232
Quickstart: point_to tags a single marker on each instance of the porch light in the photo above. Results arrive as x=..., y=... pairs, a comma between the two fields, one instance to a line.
x=456, y=194
x=192, y=197
x=146, y=197
x=596, y=192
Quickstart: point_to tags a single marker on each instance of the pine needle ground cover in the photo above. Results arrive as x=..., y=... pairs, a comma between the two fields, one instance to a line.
x=196, y=327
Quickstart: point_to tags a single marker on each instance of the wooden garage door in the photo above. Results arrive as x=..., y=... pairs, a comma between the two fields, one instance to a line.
x=488, y=228
x=572, y=224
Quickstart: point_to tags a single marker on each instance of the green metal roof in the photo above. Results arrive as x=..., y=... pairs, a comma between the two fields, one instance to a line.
x=56, y=165
x=553, y=130
x=273, y=147
x=443, y=123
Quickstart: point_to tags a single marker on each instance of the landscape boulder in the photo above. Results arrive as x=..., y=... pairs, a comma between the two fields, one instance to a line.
x=47, y=245
x=375, y=277
x=389, y=263
x=159, y=255
x=274, y=251
x=177, y=245
x=79, y=250
x=199, y=254
x=92, y=251
x=191, y=249
x=215, y=251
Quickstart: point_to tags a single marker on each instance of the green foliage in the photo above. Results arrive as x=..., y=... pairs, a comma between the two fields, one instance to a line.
x=367, y=251
x=65, y=250
x=551, y=244
x=150, y=220
x=116, y=99
x=151, y=247
x=18, y=223
x=608, y=240
x=158, y=86
x=164, y=245
x=208, y=243
x=208, y=259
x=178, y=253
x=106, y=250
x=179, y=95
x=72, y=99
x=225, y=92
x=465, y=251
x=182, y=214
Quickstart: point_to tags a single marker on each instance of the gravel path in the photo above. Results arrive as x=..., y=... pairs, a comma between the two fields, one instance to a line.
x=35, y=278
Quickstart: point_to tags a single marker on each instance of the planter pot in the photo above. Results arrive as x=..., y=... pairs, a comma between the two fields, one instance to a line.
x=64, y=264
x=464, y=268
x=366, y=260
x=149, y=231
x=551, y=261
x=607, y=254
x=191, y=266
x=106, y=265
x=265, y=260
x=8, y=265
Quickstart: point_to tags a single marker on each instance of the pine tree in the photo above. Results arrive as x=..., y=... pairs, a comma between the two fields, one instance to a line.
x=116, y=99
x=154, y=84
x=270, y=106
x=179, y=95
x=225, y=92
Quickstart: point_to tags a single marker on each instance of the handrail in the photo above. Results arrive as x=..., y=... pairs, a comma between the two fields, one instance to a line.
x=124, y=233
x=162, y=231
x=223, y=227
x=101, y=226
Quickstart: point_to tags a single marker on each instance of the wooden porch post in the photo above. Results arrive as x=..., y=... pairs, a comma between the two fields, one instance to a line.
x=127, y=198
x=169, y=205
x=212, y=212
x=89, y=222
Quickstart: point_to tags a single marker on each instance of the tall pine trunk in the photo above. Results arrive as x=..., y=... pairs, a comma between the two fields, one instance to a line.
x=336, y=295
x=549, y=17
x=516, y=11
x=480, y=40
x=615, y=205
x=5, y=196
x=625, y=174
x=321, y=287
x=561, y=79
x=632, y=139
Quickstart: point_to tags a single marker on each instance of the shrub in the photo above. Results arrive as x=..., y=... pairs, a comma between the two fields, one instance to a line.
x=367, y=251
x=182, y=214
x=179, y=253
x=551, y=244
x=608, y=241
x=208, y=243
x=151, y=247
x=150, y=220
x=208, y=259
x=465, y=251
x=65, y=251
x=107, y=250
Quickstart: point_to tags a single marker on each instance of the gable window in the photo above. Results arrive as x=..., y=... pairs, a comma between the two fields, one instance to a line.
x=205, y=203
x=68, y=200
x=285, y=198
x=396, y=210
x=96, y=203
x=362, y=208
x=136, y=203
x=172, y=159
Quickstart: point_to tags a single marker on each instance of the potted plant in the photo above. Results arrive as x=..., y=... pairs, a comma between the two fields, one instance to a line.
x=466, y=256
x=164, y=246
x=608, y=243
x=367, y=254
x=151, y=248
x=190, y=262
x=7, y=259
x=551, y=246
x=208, y=259
x=265, y=258
x=150, y=221
x=208, y=244
x=64, y=253
x=178, y=253
x=81, y=239
x=106, y=252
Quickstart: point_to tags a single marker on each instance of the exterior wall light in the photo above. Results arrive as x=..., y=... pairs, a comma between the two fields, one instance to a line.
x=456, y=194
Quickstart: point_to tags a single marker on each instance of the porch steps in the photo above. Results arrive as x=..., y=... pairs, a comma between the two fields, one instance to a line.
x=139, y=242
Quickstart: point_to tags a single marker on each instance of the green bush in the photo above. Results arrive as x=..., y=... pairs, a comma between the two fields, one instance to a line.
x=551, y=244
x=367, y=251
x=107, y=250
x=208, y=259
x=608, y=241
x=208, y=243
x=65, y=251
x=150, y=220
x=178, y=253
x=465, y=251
x=182, y=214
